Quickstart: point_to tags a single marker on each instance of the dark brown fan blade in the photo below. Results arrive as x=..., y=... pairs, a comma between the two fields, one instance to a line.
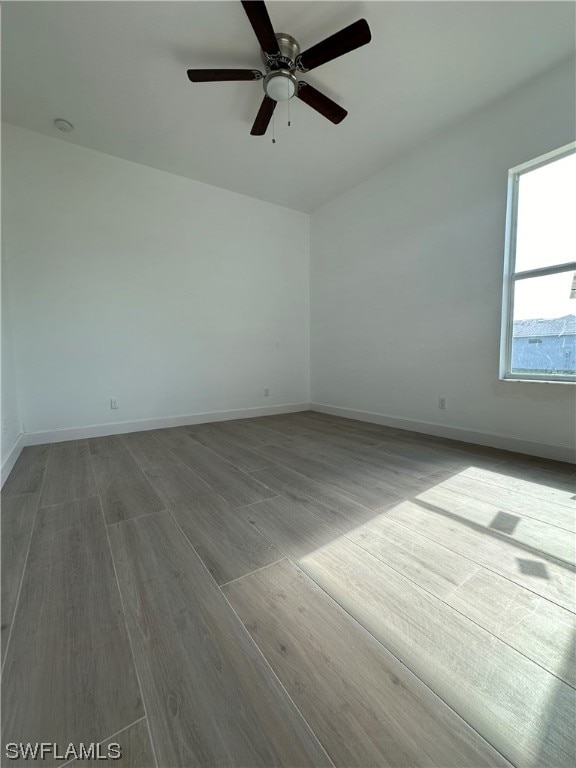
x=221, y=75
x=334, y=112
x=261, y=24
x=342, y=42
x=263, y=117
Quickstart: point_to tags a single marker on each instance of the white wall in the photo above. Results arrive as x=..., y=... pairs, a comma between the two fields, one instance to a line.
x=173, y=296
x=10, y=408
x=179, y=298
x=406, y=277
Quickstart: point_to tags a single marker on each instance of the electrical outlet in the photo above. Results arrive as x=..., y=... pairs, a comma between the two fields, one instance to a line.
x=4, y=426
x=442, y=403
x=266, y=391
x=113, y=403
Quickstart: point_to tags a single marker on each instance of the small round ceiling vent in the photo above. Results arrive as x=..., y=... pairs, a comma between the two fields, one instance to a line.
x=63, y=125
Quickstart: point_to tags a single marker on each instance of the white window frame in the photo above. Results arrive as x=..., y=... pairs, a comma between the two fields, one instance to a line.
x=510, y=274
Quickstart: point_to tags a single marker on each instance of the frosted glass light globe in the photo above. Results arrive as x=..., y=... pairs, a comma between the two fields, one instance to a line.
x=280, y=86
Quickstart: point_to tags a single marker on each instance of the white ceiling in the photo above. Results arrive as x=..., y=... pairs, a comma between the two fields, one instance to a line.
x=117, y=70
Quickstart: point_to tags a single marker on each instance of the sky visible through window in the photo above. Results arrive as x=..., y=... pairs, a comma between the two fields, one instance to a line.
x=544, y=297
x=546, y=235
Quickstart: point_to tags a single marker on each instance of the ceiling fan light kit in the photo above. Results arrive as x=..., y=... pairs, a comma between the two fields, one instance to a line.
x=283, y=61
x=280, y=85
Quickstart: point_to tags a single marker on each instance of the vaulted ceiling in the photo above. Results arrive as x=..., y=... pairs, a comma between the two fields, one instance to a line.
x=117, y=71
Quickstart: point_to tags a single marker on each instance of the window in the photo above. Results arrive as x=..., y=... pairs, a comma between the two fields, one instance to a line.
x=539, y=302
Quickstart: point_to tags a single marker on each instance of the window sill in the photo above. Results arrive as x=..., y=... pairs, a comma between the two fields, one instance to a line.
x=535, y=381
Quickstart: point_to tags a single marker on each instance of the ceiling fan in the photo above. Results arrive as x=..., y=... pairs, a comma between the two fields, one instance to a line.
x=283, y=63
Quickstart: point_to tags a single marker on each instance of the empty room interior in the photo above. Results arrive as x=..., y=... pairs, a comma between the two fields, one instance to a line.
x=288, y=384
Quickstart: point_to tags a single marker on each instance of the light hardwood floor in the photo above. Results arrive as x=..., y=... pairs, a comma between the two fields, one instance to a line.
x=298, y=590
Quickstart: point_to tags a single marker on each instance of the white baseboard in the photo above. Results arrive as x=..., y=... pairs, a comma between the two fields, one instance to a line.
x=122, y=427
x=516, y=444
x=504, y=442
x=12, y=458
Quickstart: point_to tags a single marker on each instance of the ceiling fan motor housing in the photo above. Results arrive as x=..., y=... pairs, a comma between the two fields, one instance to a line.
x=286, y=59
x=281, y=82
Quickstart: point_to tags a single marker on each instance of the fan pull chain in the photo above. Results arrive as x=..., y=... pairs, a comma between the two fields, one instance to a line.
x=288, y=113
x=273, y=135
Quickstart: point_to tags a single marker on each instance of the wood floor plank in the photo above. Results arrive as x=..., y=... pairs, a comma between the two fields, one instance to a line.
x=68, y=474
x=314, y=427
x=134, y=742
x=372, y=495
x=259, y=430
x=69, y=674
x=247, y=432
x=547, y=578
x=376, y=479
x=547, y=484
x=228, y=545
x=210, y=697
x=432, y=566
x=523, y=465
x=197, y=428
x=18, y=515
x=533, y=625
x=534, y=534
x=393, y=453
x=282, y=425
x=290, y=527
x=380, y=458
x=313, y=440
x=238, y=488
x=540, y=509
x=124, y=490
x=364, y=705
x=473, y=454
x=433, y=451
x=455, y=447
x=296, y=528
x=362, y=458
x=383, y=473
x=148, y=451
x=356, y=425
x=105, y=444
x=429, y=457
x=520, y=708
x=552, y=489
x=371, y=472
x=332, y=507
x=240, y=456
x=28, y=472
x=366, y=426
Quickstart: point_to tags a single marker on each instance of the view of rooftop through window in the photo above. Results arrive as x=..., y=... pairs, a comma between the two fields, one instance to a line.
x=544, y=278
